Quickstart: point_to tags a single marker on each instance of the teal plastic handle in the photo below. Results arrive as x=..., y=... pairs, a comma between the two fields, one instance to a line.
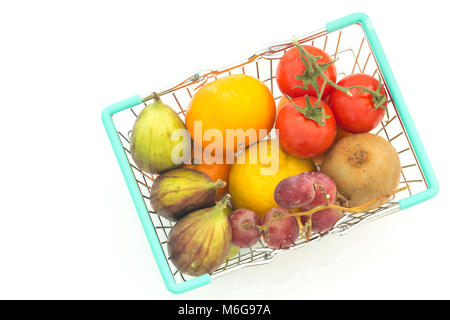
x=430, y=177
x=144, y=217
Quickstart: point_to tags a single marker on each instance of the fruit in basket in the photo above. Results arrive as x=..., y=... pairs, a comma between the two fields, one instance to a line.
x=180, y=191
x=256, y=173
x=200, y=242
x=339, y=135
x=237, y=102
x=295, y=78
x=362, y=111
x=363, y=166
x=306, y=127
x=215, y=170
x=280, y=231
x=323, y=220
x=306, y=190
x=281, y=104
x=244, y=228
x=294, y=192
x=324, y=190
x=152, y=147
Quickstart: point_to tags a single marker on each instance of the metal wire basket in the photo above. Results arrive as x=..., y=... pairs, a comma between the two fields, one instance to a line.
x=354, y=42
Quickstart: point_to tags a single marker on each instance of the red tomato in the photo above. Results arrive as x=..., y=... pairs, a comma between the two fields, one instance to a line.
x=291, y=65
x=356, y=113
x=303, y=137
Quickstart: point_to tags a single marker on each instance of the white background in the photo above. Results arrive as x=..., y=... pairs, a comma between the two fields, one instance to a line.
x=68, y=228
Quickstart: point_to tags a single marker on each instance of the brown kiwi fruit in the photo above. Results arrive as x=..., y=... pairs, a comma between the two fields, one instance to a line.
x=363, y=166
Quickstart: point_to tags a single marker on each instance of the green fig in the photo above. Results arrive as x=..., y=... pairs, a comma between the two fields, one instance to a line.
x=177, y=192
x=153, y=148
x=200, y=242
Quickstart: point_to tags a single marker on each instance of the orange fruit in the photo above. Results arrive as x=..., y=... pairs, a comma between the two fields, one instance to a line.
x=233, y=102
x=281, y=103
x=215, y=171
x=341, y=134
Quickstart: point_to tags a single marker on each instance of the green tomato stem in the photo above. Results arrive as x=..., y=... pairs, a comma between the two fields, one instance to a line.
x=313, y=69
x=378, y=98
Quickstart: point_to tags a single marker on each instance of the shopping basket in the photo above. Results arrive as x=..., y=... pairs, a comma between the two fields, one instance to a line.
x=354, y=42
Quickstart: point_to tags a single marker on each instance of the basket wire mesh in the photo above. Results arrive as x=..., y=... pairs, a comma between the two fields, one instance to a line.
x=354, y=54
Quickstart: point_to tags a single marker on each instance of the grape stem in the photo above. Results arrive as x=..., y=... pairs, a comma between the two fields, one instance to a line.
x=322, y=190
x=356, y=209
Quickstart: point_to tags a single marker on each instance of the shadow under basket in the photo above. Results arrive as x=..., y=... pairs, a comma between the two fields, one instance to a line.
x=353, y=41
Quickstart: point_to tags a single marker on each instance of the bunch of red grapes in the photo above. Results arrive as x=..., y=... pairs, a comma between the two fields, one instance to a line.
x=279, y=229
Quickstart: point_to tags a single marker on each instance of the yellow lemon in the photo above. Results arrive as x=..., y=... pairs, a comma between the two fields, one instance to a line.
x=256, y=173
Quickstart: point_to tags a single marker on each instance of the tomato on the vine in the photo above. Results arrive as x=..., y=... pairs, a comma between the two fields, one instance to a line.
x=362, y=111
x=291, y=67
x=306, y=128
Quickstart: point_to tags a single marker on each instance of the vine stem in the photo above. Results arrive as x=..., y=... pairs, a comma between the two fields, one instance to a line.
x=378, y=98
x=357, y=209
x=372, y=92
x=312, y=64
x=314, y=70
x=319, y=96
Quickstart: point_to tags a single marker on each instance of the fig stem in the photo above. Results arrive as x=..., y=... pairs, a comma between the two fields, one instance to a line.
x=222, y=203
x=220, y=183
x=153, y=96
